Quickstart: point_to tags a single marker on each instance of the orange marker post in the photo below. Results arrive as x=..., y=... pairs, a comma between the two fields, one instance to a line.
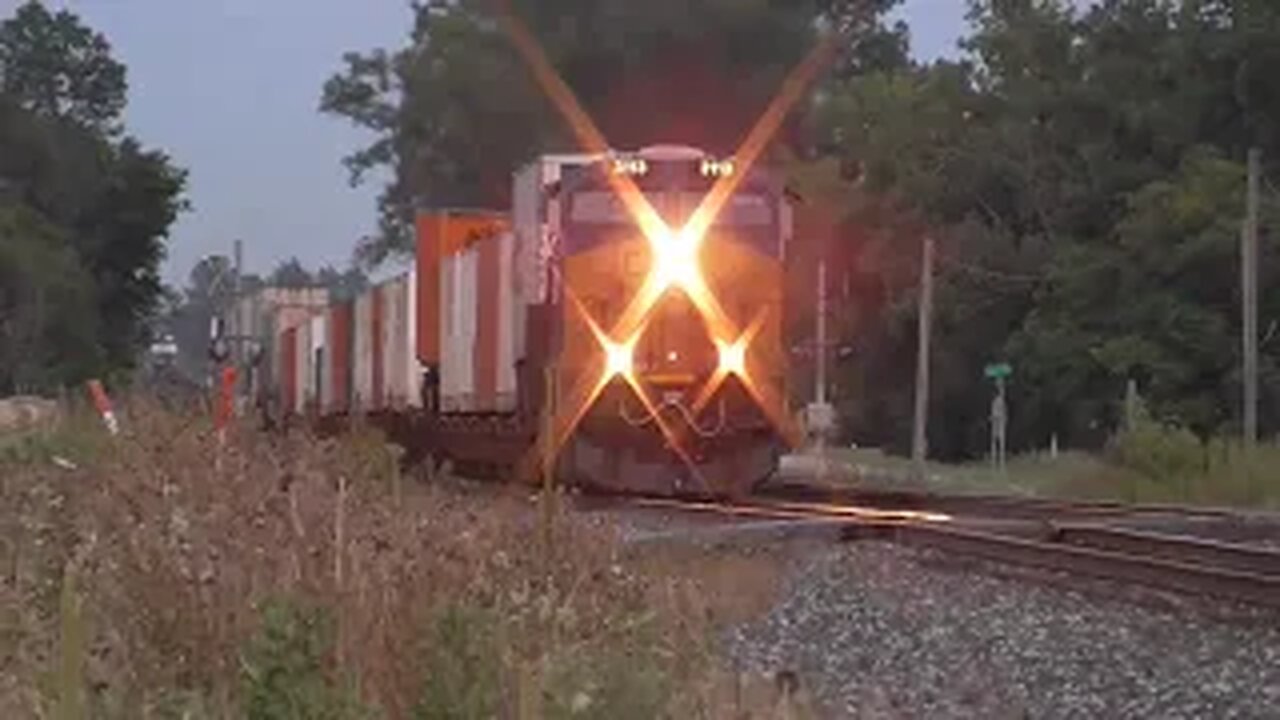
x=103, y=404
x=224, y=409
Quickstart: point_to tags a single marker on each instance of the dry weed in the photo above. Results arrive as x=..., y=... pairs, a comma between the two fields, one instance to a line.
x=177, y=546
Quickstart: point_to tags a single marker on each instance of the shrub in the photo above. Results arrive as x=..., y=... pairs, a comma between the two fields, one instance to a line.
x=623, y=681
x=1163, y=452
x=77, y=436
x=284, y=669
x=1239, y=476
x=462, y=667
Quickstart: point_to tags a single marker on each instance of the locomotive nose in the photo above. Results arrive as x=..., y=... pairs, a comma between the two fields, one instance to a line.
x=676, y=351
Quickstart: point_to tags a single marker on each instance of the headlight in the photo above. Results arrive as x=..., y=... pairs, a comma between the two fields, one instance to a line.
x=716, y=168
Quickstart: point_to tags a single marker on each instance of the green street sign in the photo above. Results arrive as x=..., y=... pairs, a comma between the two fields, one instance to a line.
x=998, y=371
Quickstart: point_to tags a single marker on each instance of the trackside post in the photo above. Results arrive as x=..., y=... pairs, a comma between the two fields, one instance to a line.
x=224, y=407
x=548, y=460
x=103, y=405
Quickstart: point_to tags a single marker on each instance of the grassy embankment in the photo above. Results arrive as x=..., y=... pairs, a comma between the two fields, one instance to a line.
x=305, y=578
x=1150, y=463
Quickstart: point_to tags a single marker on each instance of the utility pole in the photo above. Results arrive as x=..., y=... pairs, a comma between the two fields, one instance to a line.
x=999, y=426
x=239, y=355
x=920, y=438
x=1249, y=298
x=237, y=266
x=820, y=389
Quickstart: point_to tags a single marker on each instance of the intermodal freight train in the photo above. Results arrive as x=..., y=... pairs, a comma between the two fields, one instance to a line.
x=610, y=323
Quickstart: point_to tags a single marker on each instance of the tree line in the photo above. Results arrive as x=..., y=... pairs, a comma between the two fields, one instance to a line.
x=85, y=213
x=85, y=207
x=1080, y=169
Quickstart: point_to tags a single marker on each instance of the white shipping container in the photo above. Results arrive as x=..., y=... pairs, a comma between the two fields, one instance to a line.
x=362, y=355
x=302, y=359
x=477, y=320
x=448, y=356
x=402, y=377
x=386, y=296
x=465, y=329
x=457, y=330
x=508, y=310
x=470, y=298
x=314, y=381
x=261, y=315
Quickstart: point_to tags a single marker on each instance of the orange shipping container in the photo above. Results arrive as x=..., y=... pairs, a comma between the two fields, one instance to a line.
x=440, y=235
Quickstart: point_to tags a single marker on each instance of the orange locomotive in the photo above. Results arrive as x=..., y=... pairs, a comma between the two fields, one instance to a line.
x=641, y=357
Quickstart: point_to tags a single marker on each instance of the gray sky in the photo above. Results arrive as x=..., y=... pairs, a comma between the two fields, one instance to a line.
x=230, y=89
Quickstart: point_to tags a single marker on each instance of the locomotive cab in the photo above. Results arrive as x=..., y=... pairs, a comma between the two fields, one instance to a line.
x=690, y=358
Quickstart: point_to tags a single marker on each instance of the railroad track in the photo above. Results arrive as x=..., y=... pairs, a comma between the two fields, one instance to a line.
x=1060, y=541
x=1159, y=560
x=1008, y=506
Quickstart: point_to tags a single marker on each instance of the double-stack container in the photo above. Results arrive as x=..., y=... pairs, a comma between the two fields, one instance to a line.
x=477, y=325
x=373, y=363
x=479, y=276
x=316, y=367
x=285, y=369
x=362, y=358
x=335, y=391
x=298, y=350
x=396, y=340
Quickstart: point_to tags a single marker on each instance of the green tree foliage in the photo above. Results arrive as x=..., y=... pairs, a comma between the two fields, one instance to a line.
x=455, y=111
x=1159, y=303
x=292, y=274
x=1082, y=174
x=55, y=67
x=341, y=284
x=47, y=306
x=65, y=163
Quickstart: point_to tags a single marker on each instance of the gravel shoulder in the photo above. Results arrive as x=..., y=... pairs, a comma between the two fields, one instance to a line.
x=876, y=630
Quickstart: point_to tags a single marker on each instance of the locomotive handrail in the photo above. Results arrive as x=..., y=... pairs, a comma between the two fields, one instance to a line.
x=684, y=412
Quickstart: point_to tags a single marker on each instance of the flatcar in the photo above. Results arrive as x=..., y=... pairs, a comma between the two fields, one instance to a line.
x=610, y=328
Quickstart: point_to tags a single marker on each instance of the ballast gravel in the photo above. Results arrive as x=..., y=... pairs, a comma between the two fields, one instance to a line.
x=873, y=630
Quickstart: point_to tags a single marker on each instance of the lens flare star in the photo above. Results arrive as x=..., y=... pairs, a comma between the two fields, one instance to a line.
x=675, y=253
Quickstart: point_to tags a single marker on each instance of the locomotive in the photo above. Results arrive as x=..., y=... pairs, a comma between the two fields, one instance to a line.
x=614, y=328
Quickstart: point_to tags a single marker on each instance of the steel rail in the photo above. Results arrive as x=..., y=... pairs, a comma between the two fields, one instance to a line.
x=1179, y=548
x=1158, y=572
x=1168, y=562
x=1005, y=504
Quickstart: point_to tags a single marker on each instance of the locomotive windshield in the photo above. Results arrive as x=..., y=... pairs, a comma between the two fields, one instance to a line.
x=604, y=207
x=595, y=215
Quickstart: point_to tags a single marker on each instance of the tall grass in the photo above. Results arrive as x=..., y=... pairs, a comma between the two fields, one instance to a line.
x=305, y=577
x=1148, y=462
x=1172, y=464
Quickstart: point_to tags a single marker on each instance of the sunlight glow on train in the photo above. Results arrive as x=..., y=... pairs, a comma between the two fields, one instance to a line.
x=675, y=253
